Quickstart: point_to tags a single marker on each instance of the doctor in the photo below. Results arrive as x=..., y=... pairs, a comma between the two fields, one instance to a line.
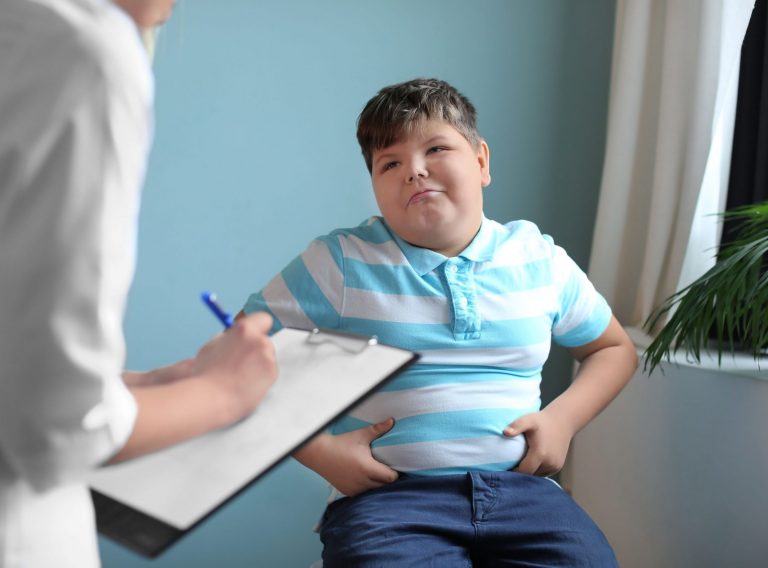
x=75, y=130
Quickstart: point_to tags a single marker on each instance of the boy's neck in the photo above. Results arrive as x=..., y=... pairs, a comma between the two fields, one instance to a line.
x=453, y=251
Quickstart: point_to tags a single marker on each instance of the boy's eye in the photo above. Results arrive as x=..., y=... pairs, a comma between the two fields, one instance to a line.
x=388, y=166
x=435, y=149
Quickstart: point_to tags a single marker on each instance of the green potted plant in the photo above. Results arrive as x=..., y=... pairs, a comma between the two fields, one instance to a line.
x=729, y=302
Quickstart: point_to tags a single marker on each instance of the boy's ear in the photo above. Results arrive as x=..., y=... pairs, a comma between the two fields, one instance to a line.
x=484, y=160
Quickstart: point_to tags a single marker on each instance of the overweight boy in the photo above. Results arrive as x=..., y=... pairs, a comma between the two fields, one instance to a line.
x=447, y=464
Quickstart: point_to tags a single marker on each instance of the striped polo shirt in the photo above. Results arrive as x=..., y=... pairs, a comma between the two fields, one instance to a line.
x=482, y=321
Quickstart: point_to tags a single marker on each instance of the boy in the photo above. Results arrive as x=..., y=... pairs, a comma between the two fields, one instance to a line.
x=458, y=478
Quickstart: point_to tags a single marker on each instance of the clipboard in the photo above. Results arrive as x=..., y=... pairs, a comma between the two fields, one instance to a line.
x=149, y=503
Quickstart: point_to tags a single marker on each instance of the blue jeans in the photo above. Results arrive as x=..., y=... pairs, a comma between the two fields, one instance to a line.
x=468, y=520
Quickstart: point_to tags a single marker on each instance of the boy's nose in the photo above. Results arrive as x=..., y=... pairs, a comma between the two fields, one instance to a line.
x=416, y=172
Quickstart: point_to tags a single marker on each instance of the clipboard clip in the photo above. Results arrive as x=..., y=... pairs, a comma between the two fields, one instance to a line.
x=347, y=341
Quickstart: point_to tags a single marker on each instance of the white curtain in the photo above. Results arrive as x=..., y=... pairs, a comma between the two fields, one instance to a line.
x=673, y=90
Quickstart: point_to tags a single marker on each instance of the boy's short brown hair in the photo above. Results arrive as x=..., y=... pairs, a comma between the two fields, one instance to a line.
x=397, y=109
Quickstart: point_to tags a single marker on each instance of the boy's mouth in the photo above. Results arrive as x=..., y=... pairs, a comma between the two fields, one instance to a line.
x=422, y=195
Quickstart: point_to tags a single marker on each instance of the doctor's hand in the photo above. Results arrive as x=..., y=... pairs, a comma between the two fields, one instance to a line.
x=346, y=461
x=224, y=382
x=241, y=362
x=547, y=439
x=250, y=341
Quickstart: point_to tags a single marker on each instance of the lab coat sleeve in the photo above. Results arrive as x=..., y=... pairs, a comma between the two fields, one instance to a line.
x=76, y=131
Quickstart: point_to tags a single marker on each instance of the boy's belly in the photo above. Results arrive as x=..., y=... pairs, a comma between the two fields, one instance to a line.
x=449, y=420
x=485, y=449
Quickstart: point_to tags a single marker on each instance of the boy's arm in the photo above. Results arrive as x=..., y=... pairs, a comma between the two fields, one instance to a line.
x=606, y=366
x=346, y=462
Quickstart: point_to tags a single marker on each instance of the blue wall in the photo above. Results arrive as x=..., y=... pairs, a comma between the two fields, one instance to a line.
x=255, y=154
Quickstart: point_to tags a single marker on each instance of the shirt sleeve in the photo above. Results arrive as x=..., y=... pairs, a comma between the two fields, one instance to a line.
x=308, y=292
x=76, y=132
x=583, y=314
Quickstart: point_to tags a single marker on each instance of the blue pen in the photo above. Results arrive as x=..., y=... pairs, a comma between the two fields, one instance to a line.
x=211, y=301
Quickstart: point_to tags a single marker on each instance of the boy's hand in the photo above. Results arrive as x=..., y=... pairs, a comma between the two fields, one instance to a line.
x=346, y=461
x=548, y=440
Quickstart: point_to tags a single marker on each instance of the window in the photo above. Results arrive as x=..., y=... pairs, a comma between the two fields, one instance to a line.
x=748, y=180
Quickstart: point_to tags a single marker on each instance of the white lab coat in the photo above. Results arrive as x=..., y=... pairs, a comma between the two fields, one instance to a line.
x=75, y=129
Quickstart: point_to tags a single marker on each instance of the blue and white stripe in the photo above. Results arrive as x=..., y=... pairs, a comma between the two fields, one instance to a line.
x=483, y=323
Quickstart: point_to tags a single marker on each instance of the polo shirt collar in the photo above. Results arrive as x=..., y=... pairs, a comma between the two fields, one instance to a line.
x=483, y=246
x=424, y=260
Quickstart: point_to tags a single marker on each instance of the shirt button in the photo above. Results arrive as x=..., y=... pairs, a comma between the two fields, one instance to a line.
x=453, y=268
x=463, y=302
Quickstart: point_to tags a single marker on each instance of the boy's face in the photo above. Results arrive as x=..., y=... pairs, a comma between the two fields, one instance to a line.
x=429, y=187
